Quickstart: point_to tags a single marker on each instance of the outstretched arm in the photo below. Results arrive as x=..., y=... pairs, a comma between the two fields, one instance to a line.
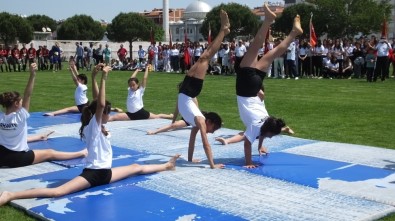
x=201, y=125
x=101, y=99
x=73, y=71
x=135, y=73
x=95, y=88
x=144, y=83
x=29, y=87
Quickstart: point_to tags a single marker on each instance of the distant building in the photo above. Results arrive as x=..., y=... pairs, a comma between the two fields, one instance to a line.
x=156, y=15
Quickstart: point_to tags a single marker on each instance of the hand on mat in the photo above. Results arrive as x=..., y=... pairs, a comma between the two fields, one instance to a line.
x=263, y=150
x=250, y=166
x=196, y=160
x=219, y=166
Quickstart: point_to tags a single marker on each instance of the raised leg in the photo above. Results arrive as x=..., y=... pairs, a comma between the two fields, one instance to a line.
x=199, y=69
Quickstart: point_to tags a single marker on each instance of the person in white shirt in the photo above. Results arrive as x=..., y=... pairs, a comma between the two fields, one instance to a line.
x=240, y=50
x=14, y=151
x=134, y=101
x=175, y=59
x=141, y=53
x=191, y=88
x=291, y=61
x=98, y=170
x=249, y=79
x=318, y=55
x=155, y=50
x=197, y=52
x=81, y=100
x=382, y=67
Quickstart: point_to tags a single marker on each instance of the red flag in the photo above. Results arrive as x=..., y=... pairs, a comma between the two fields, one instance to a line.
x=313, y=36
x=384, y=30
x=187, y=57
x=266, y=49
x=209, y=33
x=152, y=36
x=170, y=41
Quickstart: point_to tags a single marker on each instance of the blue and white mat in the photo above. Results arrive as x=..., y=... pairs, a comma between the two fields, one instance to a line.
x=299, y=180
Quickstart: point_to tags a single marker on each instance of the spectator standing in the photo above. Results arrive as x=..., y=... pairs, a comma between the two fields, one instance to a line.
x=382, y=67
x=122, y=53
x=290, y=62
x=107, y=55
x=79, y=54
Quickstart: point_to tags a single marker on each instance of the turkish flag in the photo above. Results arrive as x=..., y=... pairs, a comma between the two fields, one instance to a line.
x=313, y=36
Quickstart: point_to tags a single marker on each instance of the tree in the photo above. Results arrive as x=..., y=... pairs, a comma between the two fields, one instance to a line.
x=131, y=27
x=339, y=18
x=283, y=23
x=40, y=21
x=242, y=21
x=14, y=27
x=80, y=27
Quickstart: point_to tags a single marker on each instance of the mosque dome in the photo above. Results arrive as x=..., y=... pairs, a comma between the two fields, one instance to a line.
x=197, y=10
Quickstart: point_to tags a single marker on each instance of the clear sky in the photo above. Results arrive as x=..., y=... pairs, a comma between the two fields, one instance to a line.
x=100, y=9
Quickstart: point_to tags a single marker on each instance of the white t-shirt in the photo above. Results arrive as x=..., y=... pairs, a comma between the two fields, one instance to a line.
x=383, y=49
x=134, y=102
x=253, y=113
x=198, y=51
x=80, y=94
x=292, y=51
x=174, y=52
x=188, y=109
x=13, y=130
x=98, y=145
x=240, y=50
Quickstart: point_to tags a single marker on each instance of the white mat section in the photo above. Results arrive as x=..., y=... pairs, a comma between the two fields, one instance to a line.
x=351, y=153
x=255, y=197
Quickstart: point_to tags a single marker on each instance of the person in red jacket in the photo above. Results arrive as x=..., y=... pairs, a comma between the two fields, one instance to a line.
x=31, y=53
x=15, y=54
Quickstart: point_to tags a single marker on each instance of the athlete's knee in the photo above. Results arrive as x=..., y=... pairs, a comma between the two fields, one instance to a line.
x=56, y=192
x=137, y=167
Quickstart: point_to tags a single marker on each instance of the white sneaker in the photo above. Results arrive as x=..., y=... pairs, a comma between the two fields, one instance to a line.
x=296, y=78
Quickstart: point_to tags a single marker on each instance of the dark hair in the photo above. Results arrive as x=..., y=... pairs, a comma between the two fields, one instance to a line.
x=7, y=99
x=133, y=79
x=213, y=118
x=272, y=125
x=88, y=112
x=83, y=77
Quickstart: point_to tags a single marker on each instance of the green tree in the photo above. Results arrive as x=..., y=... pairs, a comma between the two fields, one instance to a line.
x=80, y=27
x=131, y=27
x=40, y=21
x=13, y=28
x=339, y=18
x=283, y=23
x=242, y=21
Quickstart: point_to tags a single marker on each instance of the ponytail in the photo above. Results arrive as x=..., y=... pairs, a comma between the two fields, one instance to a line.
x=87, y=114
x=7, y=99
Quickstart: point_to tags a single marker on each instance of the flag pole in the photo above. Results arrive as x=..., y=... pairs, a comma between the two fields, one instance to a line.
x=311, y=57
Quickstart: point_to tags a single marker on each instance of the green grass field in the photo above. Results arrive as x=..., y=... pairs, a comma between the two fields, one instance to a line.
x=349, y=111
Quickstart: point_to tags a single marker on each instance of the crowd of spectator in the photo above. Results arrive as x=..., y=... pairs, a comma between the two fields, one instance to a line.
x=364, y=57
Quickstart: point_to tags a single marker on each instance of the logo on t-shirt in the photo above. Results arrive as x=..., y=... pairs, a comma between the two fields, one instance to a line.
x=8, y=126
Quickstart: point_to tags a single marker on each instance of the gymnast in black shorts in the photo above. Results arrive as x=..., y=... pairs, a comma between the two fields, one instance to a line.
x=249, y=79
x=134, y=102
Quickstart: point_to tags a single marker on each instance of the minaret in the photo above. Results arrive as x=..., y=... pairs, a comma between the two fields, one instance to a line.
x=166, y=19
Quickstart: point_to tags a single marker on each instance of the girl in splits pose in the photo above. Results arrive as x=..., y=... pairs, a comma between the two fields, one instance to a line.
x=14, y=151
x=98, y=169
x=81, y=100
x=191, y=88
x=249, y=79
x=134, y=102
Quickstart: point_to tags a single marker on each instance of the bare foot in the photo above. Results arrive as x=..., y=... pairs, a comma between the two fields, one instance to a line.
x=4, y=198
x=221, y=140
x=49, y=114
x=116, y=109
x=269, y=15
x=297, y=29
x=288, y=130
x=171, y=165
x=225, y=25
x=45, y=136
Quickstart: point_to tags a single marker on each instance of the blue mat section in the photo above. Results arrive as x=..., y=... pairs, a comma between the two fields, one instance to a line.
x=307, y=171
x=285, y=184
x=122, y=200
x=37, y=119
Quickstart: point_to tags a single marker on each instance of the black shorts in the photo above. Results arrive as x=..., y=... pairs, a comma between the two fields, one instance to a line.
x=81, y=106
x=139, y=115
x=249, y=81
x=185, y=122
x=12, y=159
x=191, y=86
x=97, y=177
